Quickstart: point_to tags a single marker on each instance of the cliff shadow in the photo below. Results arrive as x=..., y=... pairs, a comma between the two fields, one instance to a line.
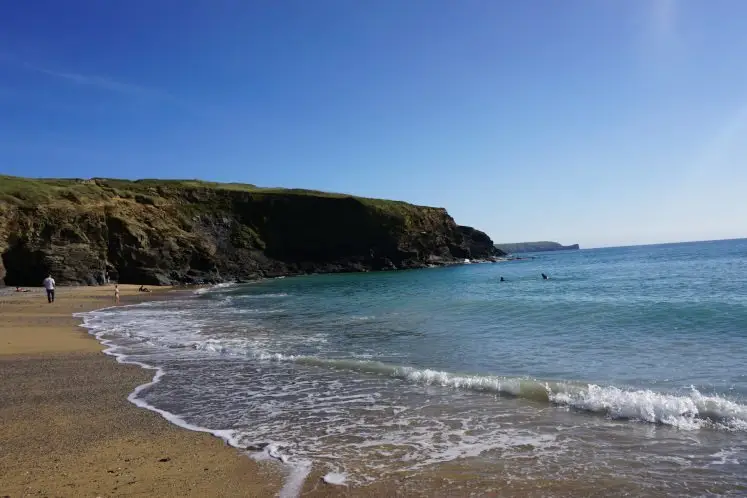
x=24, y=267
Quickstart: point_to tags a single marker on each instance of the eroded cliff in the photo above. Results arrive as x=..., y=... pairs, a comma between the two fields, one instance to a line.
x=165, y=232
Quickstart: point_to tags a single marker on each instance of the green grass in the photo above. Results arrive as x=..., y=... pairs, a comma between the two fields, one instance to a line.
x=23, y=191
x=33, y=191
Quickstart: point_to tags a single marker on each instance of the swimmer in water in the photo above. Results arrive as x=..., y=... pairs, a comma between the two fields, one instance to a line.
x=544, y=277
x=503, y=279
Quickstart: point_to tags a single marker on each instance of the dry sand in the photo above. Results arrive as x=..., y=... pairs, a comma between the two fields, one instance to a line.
x=67, y=429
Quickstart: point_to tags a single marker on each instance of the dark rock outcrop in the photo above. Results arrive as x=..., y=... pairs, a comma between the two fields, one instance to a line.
x=166, y=232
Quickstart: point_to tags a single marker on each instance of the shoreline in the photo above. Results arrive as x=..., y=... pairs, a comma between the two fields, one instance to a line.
x=67, y=432
x=109, y=444
x=70, y=425
x=286, y=480
x=427, y=478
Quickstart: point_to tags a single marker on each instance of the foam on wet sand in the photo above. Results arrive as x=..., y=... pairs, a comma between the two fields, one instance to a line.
x=67, y=427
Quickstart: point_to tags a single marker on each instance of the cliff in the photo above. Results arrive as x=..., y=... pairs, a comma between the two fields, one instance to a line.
x=170, y=231
x=543, y=246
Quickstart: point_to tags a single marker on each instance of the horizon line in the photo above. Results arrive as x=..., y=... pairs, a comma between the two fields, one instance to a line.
x=669, y=243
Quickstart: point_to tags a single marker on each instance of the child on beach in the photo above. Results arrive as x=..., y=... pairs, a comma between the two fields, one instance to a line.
x=116, y=293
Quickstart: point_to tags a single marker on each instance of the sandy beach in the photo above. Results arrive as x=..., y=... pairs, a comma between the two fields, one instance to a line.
x=67, y=429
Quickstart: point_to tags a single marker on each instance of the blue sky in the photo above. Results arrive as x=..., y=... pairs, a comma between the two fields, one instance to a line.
x=603, y=122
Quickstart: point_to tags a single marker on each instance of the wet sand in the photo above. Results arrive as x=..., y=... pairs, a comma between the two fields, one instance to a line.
x=67, y=429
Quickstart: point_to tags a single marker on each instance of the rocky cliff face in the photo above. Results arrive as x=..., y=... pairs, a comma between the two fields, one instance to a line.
x=166, y=232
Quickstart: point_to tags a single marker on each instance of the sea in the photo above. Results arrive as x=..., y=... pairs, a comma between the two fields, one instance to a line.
x=624, y=373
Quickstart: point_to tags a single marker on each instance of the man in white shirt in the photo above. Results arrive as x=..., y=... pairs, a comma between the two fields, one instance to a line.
x=49, y=285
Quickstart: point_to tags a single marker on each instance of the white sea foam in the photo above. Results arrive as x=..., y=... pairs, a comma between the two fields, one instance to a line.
x=335, y=478
x=691, y=411
x=686, y=411
x=323, y=428
x=725, y=456
x=297, y=470
x=214, y=288
x=417, y=448
x=113, y=350
x=268, y=295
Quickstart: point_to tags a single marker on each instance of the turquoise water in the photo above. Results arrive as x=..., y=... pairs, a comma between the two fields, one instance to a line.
x=628, y=364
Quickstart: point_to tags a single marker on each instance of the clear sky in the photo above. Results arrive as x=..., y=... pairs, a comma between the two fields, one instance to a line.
x=603, y=122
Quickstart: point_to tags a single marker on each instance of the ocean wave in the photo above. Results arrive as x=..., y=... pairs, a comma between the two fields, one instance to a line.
x=416, y=446
x=213, y=288
x=230, y=301
x=686, y=410
x=263, y=296
x=689, y=411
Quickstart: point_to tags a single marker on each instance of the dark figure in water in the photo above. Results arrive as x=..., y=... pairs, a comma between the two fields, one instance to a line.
x=503, y=279
x=544, y=277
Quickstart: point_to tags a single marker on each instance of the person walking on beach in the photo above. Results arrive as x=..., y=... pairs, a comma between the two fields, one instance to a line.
x=116, y=293
x=49, y=286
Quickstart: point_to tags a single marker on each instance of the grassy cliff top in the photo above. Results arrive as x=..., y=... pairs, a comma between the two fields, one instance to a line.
x=28, y=192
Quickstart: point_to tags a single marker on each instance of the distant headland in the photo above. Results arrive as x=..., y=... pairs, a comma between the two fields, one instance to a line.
x=518, y=247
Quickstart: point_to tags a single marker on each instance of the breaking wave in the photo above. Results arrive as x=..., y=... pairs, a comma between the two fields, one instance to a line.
x=691, y=410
